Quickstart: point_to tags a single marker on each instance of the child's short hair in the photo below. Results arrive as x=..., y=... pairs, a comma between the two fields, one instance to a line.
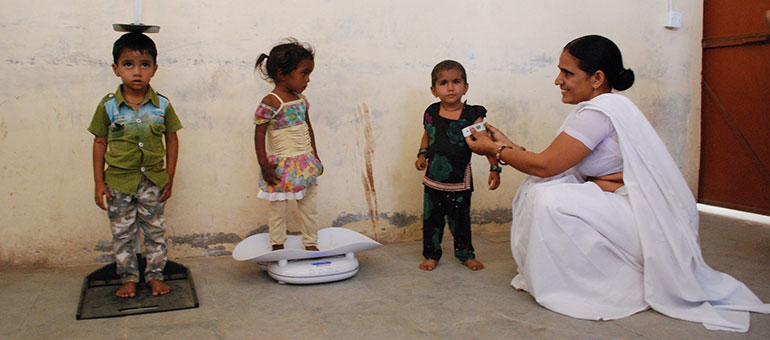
x=283, y=59
x=134, y=41
x=446, y=65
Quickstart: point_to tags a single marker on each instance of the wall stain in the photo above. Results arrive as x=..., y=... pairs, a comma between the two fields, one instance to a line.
x=364, y=122
x=3, y=130
x=544, y=60
x=82, y=59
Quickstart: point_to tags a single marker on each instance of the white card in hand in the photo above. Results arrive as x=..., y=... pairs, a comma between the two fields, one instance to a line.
x=478, y=127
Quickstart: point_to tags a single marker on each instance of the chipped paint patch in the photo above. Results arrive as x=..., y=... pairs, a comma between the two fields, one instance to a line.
x=104, y=246
x=103, y=251
x=216, y=251
x=205, y=240
x=397, y=219
x=104, y=258
x=346, y=218
x=491, y=216
x=261, y=230
x=212, y=244
x=401, y=220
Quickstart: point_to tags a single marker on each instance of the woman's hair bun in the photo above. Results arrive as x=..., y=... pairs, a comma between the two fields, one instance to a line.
x=624, y=80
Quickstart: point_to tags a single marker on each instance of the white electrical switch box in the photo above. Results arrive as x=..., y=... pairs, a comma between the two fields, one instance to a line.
x=673, y=20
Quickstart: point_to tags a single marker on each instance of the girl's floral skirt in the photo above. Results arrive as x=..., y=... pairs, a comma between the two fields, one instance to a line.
x=296, y=174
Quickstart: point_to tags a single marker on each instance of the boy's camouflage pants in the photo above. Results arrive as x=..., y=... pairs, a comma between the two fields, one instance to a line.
x=142, y=211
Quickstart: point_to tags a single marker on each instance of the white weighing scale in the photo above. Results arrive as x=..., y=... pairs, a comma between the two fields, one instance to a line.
x=334, y=261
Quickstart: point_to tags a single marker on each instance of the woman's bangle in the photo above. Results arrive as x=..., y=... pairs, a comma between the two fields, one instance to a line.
x=499, y=152
x=496, y=168
x=423, y=151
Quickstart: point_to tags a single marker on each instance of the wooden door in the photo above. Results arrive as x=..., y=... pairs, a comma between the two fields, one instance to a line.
x=735, y=126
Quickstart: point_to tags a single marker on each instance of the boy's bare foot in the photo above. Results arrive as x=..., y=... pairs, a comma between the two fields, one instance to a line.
x=311, y=248
x=277, y=247
x=159, y=287
x=127, y=290
x=473, y=264
x=428, y=264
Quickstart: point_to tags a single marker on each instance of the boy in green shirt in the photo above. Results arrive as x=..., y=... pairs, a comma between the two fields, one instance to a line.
x=128, y=126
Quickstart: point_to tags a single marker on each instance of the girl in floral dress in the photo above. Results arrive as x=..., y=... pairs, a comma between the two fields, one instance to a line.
x=289, y=161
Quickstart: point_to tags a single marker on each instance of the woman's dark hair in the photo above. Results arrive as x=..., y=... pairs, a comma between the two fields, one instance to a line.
x=134, y=41
x=446, y=65
x=594, y=53
x=283, y=59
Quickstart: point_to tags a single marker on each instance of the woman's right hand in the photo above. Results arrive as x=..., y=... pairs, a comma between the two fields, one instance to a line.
x=482, y=144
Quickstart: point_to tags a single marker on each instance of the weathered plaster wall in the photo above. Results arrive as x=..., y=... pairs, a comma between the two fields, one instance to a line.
x=367, y=96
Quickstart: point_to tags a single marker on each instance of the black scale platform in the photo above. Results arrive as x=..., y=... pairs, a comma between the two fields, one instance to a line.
x=98, y=300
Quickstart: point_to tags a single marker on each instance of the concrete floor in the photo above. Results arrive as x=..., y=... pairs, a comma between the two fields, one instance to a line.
x=389, y=299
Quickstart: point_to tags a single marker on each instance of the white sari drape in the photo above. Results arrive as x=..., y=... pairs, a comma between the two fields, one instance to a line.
x=596, y=255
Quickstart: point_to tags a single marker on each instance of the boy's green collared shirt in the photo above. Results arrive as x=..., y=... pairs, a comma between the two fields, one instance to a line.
x=134, y=139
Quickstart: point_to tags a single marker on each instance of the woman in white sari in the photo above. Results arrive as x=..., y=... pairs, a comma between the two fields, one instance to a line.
x=605, y=225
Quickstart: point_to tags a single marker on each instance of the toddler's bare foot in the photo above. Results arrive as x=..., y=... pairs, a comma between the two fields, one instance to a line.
x=159, y=287
x=473, y=264
x=428, y=264
x=127, y=290
x=277, y=247
x=311, y=248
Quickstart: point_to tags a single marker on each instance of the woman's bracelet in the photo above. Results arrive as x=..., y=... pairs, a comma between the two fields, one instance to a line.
x=423, y=151
x=496, y=168
x=499, y=152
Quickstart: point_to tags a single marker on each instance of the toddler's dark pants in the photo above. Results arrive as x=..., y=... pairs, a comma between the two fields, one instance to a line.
x=455, y=207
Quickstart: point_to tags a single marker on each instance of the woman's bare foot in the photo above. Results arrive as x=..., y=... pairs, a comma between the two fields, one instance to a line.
x=127, y=290
x=473, y=264
x=428, y=264
x=159, y=287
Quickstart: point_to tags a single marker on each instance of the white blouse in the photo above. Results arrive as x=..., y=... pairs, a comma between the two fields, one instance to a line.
x=595, y=131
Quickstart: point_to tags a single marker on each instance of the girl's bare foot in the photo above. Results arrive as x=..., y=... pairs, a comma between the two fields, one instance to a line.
x=473, y=264
x=428, y=264
x=127, y=290
x=159, y=287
